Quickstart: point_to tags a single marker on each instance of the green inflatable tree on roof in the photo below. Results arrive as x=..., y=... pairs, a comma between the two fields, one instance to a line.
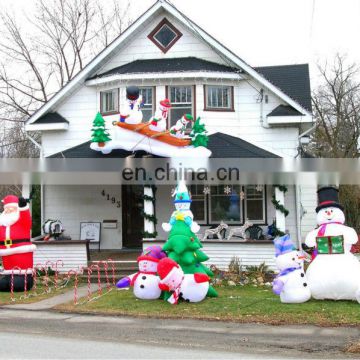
x=99, y=132
x=183, y=246
x=198, y=134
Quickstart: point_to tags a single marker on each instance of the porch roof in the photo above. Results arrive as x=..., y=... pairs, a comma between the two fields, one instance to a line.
x=220, y=144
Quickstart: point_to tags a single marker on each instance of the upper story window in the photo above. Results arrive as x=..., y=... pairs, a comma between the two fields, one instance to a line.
x=109, y=102
x=181, y=98
x=148, y=96
x=165, y=35
x=219, y=98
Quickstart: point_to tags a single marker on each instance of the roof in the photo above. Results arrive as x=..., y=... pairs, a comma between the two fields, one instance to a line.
x=283, y=110
x=221, y=146
x=293, y=80
x=161, y=5
x=51, y=118
x=167, y=65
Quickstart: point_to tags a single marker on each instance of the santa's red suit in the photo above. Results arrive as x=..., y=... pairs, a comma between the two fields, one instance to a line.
x=16, y=248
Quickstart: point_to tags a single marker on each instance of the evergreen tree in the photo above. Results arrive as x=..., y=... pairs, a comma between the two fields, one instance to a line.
x=183, y=246
x=199, y=134
x=99, y=132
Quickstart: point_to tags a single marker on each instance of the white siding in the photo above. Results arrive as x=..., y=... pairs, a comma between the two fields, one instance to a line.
x=308, y=198
x=73, y=256
x=75, y=204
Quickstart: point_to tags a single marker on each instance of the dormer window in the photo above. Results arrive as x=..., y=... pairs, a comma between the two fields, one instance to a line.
x=165, y=35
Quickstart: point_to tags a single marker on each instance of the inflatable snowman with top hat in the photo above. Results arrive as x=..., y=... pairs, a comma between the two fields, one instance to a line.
x=146, y=281
x=132, y=114
x=182, y=204
x=291, y=283
x=189, y=287
x=335, y=271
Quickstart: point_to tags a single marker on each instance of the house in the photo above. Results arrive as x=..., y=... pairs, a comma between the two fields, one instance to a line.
x=250, y=112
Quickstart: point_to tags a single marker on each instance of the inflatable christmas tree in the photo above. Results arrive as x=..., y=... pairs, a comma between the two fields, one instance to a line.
x=100, y=134
x=183, y=246
x=198, y=134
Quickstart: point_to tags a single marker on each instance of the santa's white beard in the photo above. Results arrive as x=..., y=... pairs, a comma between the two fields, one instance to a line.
x=9, y=219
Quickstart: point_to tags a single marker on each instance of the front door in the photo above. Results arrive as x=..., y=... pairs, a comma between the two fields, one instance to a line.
x=132, y=220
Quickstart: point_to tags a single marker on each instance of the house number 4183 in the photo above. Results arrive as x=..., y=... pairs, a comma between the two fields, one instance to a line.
x=111, y=198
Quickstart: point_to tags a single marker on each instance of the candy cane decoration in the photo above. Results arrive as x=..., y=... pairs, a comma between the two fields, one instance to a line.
x=12, y=281
x=34, y=274
x=112, y=262
x=73, y=272
x=97, y=267
x=105, y=264
x=89, y=272
x=57, y=271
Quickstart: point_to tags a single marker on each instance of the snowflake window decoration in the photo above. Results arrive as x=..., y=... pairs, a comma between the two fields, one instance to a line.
x=242, y=195
x=227, y=190
x=259, y=188
x=206, y=190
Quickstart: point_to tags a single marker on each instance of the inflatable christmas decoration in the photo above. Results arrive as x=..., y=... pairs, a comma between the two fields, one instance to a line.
x=335, y=271
x=132, y=114
x=189, y=287
x=146, y=281
x=183, y=246
x=182, y=204
x=291, y=283
x=16, y=249
x=130, y=134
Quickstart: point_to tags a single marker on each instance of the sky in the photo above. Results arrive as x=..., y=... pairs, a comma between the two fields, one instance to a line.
x=268, y=32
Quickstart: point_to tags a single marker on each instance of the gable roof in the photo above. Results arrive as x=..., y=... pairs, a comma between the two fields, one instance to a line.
x=159, y=6
x=294, y=80
x=283, y=110
x=167, y=65
x=221, y=146
x=51, y=118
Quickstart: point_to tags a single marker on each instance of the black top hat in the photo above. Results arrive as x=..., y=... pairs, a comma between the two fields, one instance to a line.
x=328, y=196
x=132, y=92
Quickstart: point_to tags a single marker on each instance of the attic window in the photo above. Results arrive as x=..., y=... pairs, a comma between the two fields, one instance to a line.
x=165, y=35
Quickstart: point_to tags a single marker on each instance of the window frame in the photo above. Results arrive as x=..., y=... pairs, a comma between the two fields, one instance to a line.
x=163, y=22
x=206, y=210
x=229, y=109
x=153, y=105
x=193, y=100
x=117, y=103
x=262, y=221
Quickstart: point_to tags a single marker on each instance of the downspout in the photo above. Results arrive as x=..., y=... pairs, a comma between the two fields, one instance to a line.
x=41, y=185
x=298, y=215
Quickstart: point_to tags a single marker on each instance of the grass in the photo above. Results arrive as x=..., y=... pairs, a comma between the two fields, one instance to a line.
x=239, y=304
x=34, y=295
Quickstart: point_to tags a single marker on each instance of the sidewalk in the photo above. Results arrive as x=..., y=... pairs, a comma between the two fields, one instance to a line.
x=51, y=302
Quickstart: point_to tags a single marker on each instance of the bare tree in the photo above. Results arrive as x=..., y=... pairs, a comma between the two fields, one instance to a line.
x=34, y=64
x=336, y=105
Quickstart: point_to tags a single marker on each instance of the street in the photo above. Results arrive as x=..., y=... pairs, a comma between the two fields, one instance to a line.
x=40, y=335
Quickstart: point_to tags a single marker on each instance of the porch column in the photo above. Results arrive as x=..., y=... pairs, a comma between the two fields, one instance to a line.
x=149, y=226
x=280, y=217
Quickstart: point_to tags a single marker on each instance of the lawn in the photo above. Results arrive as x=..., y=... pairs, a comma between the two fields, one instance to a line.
x=240, y=303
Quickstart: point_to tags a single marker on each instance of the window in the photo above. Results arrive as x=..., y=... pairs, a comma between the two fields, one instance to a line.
x=165, y=35
x=109, y=101
x=181, y=98
x=219, y=98
x=148, y=95
x=225, y=206
x=255, y=203
x=198, y=205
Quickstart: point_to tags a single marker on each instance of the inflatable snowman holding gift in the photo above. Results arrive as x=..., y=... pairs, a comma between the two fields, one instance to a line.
x=291, y=283
x=182, y=204
x=189, y=287
x=335, y=271
x=146, y=281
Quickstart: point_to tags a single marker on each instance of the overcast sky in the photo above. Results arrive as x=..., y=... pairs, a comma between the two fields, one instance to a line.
x=269, y=32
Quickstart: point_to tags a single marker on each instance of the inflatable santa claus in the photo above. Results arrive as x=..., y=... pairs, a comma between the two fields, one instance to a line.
x=16, y=249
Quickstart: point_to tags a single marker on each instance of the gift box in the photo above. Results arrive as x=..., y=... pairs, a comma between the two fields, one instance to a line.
x=330, y=244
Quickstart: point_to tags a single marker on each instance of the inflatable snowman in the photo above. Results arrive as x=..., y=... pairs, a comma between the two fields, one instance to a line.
x=291, y=283
x=189, y=287
x=159, y=121
x=132, y=113
x=182, y=204
x=335, y=271
x=145, y=282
